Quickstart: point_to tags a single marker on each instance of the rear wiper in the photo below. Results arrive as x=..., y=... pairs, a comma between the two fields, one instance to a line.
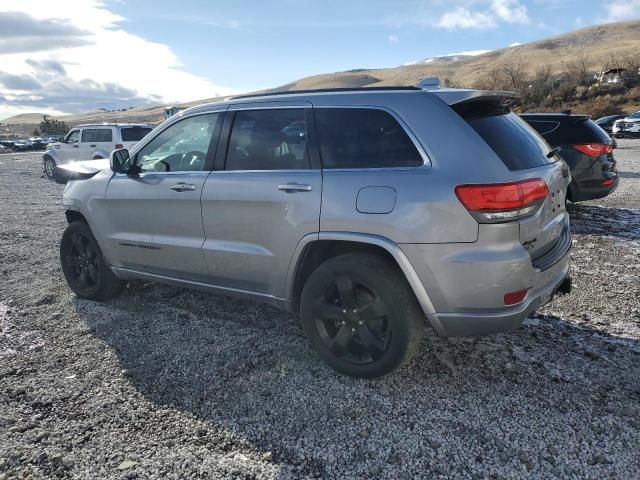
x=554, y=152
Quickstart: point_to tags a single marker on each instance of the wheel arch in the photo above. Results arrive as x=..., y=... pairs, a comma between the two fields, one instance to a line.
x=50, y=154
x=98, y=154
x=316, y=248
x=75, y=216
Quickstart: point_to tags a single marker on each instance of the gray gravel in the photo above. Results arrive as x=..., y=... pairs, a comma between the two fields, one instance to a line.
x=167, y=383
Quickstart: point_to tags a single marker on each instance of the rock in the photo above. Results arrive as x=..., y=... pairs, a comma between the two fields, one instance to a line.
x=267, y=456
x=435, y=444
x=375, y=470
x=127, y=464
x=627, y=412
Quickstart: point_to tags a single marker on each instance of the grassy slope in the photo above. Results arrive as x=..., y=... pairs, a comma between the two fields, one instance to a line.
x=596, y=43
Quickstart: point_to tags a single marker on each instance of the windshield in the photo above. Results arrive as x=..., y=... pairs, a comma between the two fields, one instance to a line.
x=634, y=115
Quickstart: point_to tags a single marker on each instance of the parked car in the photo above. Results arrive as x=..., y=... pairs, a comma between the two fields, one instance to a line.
x=395, y=205
x=93, y=141
x=586, y=148
x=8, y=144
x=37, y=143
x=22, y=145
x=4, y=149
x=606, y=123
x=628, y=127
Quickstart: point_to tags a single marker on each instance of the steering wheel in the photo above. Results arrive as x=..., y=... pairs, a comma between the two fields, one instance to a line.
x=194, y=160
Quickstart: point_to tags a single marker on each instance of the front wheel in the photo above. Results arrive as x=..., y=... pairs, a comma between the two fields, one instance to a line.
x=83, y=265
x=360, y=315
x=49, y=165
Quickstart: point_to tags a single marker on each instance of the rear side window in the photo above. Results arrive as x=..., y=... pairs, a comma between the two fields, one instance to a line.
x=134, y=134
x=514, y=141
x=268, y=140
x=104, y=135
x=363, y=138
x=569, y=131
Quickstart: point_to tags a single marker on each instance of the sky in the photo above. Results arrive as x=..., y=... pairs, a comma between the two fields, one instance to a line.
x=71, y=56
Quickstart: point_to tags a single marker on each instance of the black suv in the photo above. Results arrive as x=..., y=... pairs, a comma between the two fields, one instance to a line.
x=586, y=148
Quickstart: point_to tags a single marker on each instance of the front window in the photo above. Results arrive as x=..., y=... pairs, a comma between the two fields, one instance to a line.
x=72, y=136
x=635, y=115
x=182, y=147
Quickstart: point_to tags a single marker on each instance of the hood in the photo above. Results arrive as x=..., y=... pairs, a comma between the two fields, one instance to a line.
x=79, y=170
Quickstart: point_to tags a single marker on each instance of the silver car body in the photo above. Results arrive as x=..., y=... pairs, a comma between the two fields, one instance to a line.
x=243, y=233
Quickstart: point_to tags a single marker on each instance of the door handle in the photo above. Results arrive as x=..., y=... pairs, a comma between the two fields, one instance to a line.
x=92, y=146
x=294, y=187
x=75, y=146
x=183, y=187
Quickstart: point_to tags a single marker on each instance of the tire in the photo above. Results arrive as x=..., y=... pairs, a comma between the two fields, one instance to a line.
x=49, y=165
x=360, y=315
x=84, y=266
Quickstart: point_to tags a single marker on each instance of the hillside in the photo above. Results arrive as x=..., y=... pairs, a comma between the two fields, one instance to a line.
x=593, y=46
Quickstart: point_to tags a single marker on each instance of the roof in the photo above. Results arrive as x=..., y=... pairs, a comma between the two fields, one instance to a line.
x=554, y=115
x=106, y=124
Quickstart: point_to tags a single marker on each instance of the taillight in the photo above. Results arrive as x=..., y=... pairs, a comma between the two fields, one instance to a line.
x=607, y=182
x=118, y=146
x=515, y=297
x=503, y=202
x=594, y=149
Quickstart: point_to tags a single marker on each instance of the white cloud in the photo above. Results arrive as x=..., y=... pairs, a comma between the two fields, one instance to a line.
x=510, y=11
x=622, y=10
x=495, y=12
x=578, y=21
x=98, y=56
x=514, y=44
x=449, y=56
x=393, y=38
x=461, y=17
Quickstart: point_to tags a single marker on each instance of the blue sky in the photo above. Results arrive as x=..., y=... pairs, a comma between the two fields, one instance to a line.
x=72, y=56
x=253, y=44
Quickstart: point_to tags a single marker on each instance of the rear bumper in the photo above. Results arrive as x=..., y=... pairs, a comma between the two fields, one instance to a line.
x=580, y=193
x=467, y=283
x=478, y=324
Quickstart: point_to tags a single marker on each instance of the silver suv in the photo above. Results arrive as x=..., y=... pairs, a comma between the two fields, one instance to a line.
x=367, y=211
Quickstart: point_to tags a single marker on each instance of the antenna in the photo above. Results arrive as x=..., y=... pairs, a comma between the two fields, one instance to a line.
x=429, y=83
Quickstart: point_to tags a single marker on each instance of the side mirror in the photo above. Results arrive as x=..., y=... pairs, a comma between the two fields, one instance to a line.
x=119, y=161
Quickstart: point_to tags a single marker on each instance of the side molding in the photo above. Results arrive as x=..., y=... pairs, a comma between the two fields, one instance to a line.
x=391, y=247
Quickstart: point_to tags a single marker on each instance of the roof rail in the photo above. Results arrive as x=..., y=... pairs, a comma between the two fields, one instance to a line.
x=429, y=83
x=321, y=90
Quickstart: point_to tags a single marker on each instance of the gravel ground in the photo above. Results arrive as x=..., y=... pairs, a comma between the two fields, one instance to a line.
x=168, y=383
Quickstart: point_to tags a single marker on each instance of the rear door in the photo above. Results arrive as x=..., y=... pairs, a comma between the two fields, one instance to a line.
x=155, y=218
x=259, y=204
x=103, y=144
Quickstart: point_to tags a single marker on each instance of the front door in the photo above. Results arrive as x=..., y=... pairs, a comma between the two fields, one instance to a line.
x=70, y=148
x=259, y=204
x=155, y=218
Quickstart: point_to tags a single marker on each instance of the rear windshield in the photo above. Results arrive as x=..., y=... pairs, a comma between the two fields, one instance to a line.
x=515, y=142
x=569, y=131
x=134, y=134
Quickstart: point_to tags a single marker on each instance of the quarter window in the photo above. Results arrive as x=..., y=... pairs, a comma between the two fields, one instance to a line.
x=182, y=147
x=363, y=138
x=268, y=140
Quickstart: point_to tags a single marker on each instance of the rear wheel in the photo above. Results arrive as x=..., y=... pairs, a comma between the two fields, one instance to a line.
x=49, y=165
x=360, y=315
x=83, y=265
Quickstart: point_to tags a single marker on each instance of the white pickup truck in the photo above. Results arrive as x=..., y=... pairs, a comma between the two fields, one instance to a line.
x=92, y=141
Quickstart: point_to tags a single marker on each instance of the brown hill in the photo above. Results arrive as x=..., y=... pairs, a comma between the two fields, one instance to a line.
x=597, y=47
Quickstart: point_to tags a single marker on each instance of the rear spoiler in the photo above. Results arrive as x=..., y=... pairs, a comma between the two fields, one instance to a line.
x=455, y=96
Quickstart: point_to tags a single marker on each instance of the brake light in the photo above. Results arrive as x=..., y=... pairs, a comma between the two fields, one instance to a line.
x=515, y=297
x=594, y=149
x=502, y=202
x=607, y=182
x=119, y=146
